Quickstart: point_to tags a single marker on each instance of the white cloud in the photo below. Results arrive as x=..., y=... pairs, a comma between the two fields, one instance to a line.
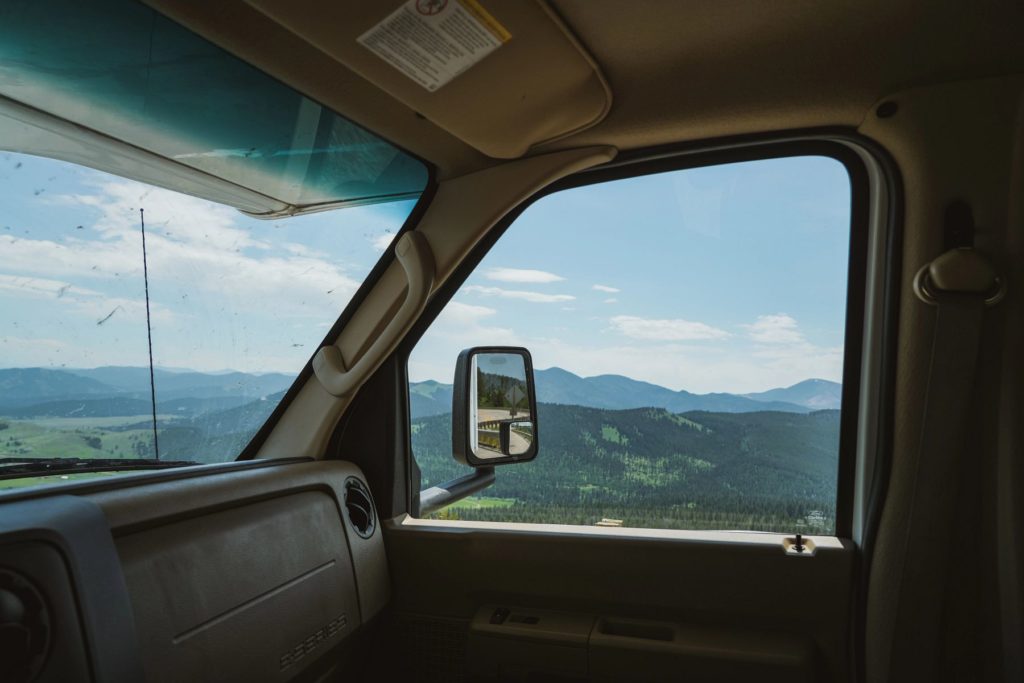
x=775, y=329
x=15, y=345
x=193, y=245
x=806, y=360
x=665, y=329
x=303, y=250
x=781, y=348
x=734, y=364
x=224, y=294
x=383, y=241
x=39, y=287
x=534, y=297
x=88, y=302
x=459, y=326
x=700, y=369
x=48, y=352
x=458, y=313
x=76, y=258
x=611, y=300
x=522, y=275
x=606, y=288
x=169, y=214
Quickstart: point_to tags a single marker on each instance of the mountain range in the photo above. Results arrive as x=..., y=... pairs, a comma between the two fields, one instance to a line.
x=615, y=392
x=612, y=447
x=28, y=392
x=92, y=390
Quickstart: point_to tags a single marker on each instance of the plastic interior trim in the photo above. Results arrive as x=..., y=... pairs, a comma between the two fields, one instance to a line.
x=417, y=261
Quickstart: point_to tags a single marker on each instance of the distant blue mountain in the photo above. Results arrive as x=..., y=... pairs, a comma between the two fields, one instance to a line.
x=615, y=392
x=24, y=386
x=187, y=383
x=29, y=392
x=64, y=390
x=815, y=394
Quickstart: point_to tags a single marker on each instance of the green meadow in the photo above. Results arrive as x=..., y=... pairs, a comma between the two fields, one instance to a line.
x=77, y=437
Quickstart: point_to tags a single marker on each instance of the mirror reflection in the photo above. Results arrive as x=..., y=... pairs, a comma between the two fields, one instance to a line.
x=500, y=406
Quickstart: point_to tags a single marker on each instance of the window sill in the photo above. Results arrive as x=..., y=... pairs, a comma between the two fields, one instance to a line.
x=755, y=538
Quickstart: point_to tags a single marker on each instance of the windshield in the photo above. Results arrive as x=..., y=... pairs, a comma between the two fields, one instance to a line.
x=237, y=306
x=122, y=129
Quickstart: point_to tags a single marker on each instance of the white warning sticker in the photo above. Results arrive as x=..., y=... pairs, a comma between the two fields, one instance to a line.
x=433, y=41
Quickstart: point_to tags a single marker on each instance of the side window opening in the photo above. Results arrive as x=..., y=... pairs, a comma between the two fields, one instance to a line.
x=687, y=330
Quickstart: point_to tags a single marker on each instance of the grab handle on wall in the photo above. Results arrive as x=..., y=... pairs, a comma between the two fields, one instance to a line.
x=413, y=253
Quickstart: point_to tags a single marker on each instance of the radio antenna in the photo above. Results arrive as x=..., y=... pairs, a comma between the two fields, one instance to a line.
x=149, y=333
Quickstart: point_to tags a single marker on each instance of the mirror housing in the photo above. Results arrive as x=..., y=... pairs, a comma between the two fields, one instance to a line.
x=494, y=407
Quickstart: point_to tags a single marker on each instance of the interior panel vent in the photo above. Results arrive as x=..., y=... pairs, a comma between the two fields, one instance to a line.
x=359, y=507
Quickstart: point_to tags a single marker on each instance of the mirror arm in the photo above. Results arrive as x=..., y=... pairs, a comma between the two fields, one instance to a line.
x=437, y=497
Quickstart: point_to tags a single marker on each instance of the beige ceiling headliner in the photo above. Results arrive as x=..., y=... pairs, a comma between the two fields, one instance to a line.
x=677, y=70
x=704, y=68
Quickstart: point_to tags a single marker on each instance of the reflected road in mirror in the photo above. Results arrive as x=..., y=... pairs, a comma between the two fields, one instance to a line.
x=502, y=406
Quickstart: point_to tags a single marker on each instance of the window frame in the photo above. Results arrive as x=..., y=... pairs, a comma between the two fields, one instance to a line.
x=865, y=431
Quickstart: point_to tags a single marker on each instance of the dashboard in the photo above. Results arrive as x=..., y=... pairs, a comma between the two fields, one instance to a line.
x=247, y=571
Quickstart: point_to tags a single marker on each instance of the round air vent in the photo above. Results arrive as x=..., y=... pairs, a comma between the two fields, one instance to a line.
x=359, y=507
x=24, y=628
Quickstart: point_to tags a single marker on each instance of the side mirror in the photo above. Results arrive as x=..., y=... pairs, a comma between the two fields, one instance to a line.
x=494, y=407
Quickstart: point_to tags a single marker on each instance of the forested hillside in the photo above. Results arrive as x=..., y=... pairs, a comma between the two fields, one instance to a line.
x=217, y=433
x=771, y=471
x=738, y=463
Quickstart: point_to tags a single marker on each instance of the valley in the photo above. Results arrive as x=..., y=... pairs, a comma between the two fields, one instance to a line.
x=611, y=448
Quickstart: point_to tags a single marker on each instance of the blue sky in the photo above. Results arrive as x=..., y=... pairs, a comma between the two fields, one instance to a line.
x=730, y=278
x=228, y=291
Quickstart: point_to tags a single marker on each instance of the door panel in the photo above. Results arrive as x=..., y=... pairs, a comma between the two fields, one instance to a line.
x=704, y=605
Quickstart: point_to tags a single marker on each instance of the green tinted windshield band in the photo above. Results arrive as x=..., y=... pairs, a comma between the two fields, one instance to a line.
x=123, y=70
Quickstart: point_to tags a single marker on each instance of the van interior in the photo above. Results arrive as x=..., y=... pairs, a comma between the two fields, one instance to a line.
x=511, y=340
